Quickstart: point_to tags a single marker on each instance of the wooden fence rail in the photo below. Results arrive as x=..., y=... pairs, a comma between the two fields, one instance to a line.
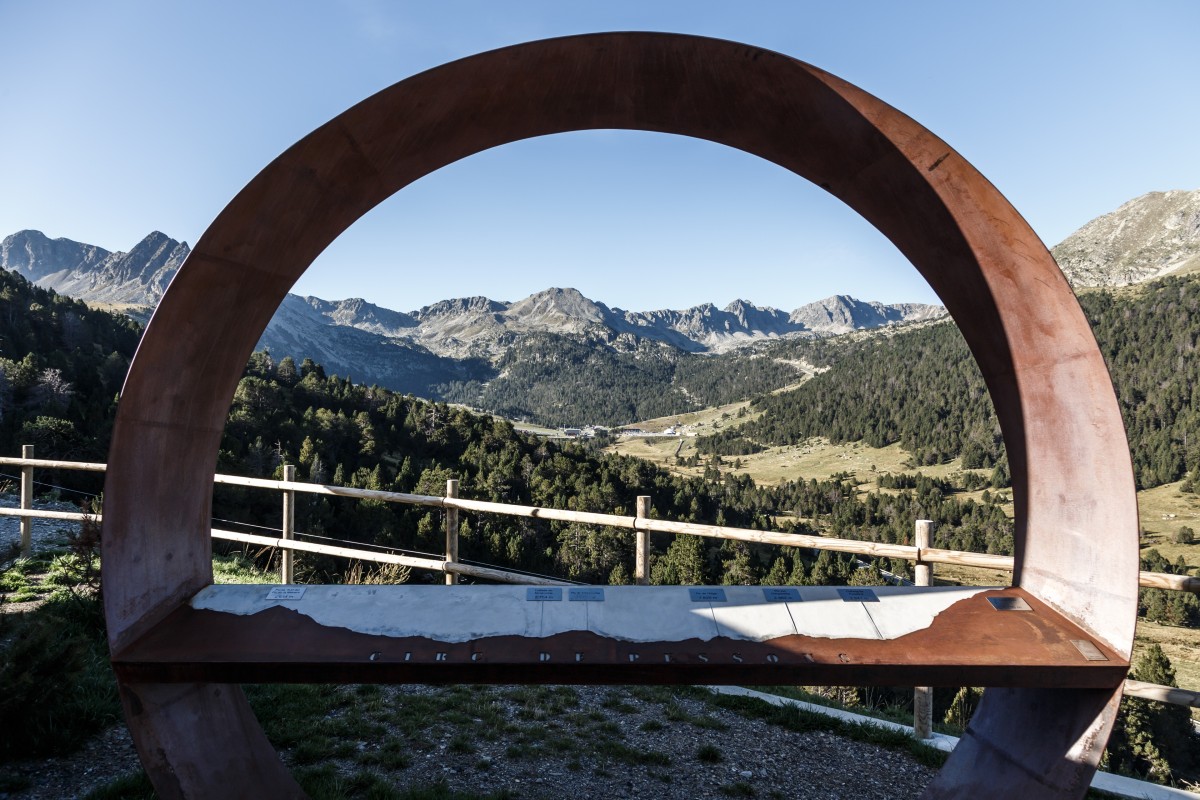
x=642, y=524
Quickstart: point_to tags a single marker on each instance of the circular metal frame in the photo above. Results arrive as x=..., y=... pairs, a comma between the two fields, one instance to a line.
x=1076, y=520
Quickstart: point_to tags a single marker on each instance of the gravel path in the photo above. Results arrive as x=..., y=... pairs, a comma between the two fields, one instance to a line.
x=610, y=742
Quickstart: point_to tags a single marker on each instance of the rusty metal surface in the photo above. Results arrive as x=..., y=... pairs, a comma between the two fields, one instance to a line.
x=1073, y=487
x=970, y=643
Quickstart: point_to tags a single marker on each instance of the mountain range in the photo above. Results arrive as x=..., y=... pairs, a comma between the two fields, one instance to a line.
x=452, y=340
x=467, y=348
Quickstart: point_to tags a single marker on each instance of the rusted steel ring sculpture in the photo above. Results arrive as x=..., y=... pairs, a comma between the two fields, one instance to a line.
x=1073, y=488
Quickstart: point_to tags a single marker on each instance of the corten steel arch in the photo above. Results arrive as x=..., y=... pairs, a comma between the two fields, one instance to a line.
x=1073, y=487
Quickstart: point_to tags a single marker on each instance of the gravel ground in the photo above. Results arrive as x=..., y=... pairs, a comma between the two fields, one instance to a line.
x=48, y=534
x=618, y=742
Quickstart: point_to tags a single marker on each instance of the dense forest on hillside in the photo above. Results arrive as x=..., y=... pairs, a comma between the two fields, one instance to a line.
x=922, y=388
x=367, y=437
x=61, y=366
x=562, y=380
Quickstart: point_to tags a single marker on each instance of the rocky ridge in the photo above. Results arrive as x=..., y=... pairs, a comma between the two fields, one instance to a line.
x=92, y=273
x=1148, y=237
x=356, y=332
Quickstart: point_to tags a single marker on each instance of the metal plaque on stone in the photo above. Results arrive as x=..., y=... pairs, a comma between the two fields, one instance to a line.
x=858, y=594
x=539, y=593
x=1009, y=604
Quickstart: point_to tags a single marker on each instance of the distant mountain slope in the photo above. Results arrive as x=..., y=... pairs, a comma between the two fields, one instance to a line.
x=302, y=328
x=1148, y=237
x=842, y=314
x=91, y=273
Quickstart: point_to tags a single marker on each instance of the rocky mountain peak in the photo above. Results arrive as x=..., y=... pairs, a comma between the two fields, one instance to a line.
x=459, y=306
x=93, y=273
x=35, y=255
x=557, y=308
x=1150, y=236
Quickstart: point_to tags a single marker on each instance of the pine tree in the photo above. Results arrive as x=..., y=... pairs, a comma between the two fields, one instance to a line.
x=1149, y=739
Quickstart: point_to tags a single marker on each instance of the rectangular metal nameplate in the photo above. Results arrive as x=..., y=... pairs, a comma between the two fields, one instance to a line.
x=1009, y=604
x=590, y=594
x=781, y=594
x=858, y=595
x=286, y=593
x=707, y=595
x=551, y=593
x=1089, y=650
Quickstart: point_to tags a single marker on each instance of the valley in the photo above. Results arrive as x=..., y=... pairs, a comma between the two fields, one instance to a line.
x=844, y=418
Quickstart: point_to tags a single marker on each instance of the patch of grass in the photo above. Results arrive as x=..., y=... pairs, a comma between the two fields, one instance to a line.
x=390, y=755
x=614, y=702
x=58, y=685
x=709, y=754
x=521, y=751
x=737, y=789
x=607, y=728
x=619, y=751
x=653, y=694
x=651, y=726
x=327, y=783
x=236, y=568
x=462, y=743
x=25, y=579
x=538, y=703
x=288, y=711
x=709, y=723
x=312, y=750
x=676, y=713
x=134, y=786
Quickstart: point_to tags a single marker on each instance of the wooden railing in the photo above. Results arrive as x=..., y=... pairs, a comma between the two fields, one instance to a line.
x=923, y=555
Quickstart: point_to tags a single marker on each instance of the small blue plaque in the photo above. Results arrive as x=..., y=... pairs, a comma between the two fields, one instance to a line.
x=781, y=594
x=543, y=593
x=707, y=594
x=858, y=595
x=591, y=594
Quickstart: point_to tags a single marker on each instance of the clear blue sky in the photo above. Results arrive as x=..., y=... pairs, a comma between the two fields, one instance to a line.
x=125, y=116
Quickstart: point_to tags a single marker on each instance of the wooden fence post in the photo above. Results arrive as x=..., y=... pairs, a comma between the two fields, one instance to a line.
x=923, y=576
x=451, y=532
x=641, y=568
x=26, y=502
x=287, y=566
